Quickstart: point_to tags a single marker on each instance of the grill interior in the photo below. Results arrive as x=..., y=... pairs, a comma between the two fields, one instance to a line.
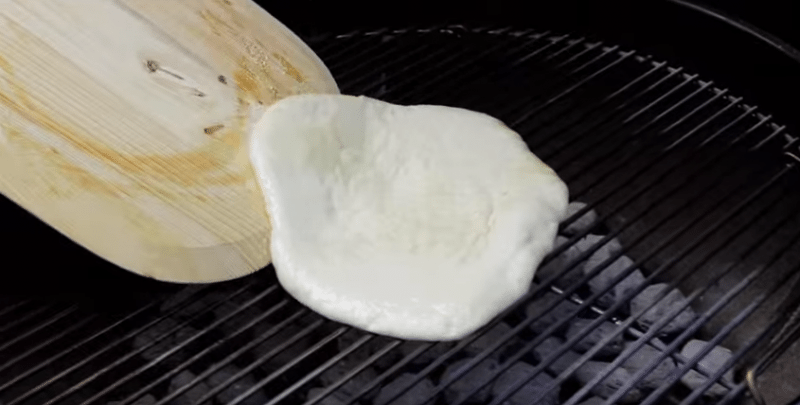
x=692, y=181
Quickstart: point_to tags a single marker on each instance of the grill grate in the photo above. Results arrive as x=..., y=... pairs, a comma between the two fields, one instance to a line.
x=655, y=151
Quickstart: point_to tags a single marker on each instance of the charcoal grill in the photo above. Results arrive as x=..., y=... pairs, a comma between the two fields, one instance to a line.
x=697, y=183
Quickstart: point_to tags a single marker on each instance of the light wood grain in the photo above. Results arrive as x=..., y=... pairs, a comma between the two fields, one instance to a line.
x=124, y=124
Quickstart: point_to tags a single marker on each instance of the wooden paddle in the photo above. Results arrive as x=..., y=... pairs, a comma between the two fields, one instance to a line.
x=124, y=124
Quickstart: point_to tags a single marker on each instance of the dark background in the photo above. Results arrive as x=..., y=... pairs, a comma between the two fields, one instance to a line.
x=777, y=16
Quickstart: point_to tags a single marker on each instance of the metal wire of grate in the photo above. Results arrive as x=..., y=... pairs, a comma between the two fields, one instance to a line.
x=655, y=151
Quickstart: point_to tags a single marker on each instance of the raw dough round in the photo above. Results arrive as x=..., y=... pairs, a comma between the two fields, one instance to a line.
x=417, y=222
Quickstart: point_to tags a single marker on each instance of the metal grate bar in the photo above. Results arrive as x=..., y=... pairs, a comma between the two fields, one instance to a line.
x=407, y=359
x=461, y=91
x=557, y=84
x=785, y=336
x=504, y=339
x=550, y=280
x=305, y=332
x=439, y=64
x=55, y=318
x=184, y=365
x=460, y=73
x=91, y=357
x=457, y=81
x=623, y=56
x=719, y=93
x=616, y=128
x=719, y=305
x=638, y=131
x=740, y=206
x=664, y=320
x=639, y=173
x=632, y=156
x=316, y=347
x=554, y=41
x=359, y=368
x=653, y=330
x=608, y=51
x=763, y=142
x=525, y=323
x=734, y=101
x=725, y=331
x=735, y=391
x=642, y=190
x=657, y=66
x=338, y=58
x=409, y=66
x=181, y=345
x=606, y=117
x=356, y=71
x=639, y=193
x=319, y=370
x=63, y=353
x=734, y=394
x=25, y=318
x=14, y=306
x=233, y=356
x=738, y=356
x=596, y=270
x=59, y=335
x=340, y=61
x=615, y=307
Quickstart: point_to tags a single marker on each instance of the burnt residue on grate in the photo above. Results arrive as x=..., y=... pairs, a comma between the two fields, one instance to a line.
x=681, y=238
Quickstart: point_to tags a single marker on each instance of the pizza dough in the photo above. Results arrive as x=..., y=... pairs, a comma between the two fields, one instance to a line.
x=417, y=222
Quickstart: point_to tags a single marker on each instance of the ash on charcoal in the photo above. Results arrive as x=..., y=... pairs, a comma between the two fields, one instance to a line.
x=237, y=388
x=193, y=394
x=332, y=399
x=531, y=389
x=490, y=337
x=476, y=376
x=644, y=357
x=666, y=305
x=145, y=400
x=583, y=223
x=550, y=346
x=601, y=331
x=429, y=355
x=564, y=309
x=607, y=275
x=412, y=396
x=158, y=330
x=609, y=385
x=353, y=385
x=712, y=362
x=374, y=345
x=558, y=264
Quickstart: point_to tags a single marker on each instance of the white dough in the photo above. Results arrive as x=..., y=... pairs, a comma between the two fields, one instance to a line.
x=417, y=222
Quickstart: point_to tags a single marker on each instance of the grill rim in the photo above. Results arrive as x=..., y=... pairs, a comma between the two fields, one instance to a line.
x=747, y=27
